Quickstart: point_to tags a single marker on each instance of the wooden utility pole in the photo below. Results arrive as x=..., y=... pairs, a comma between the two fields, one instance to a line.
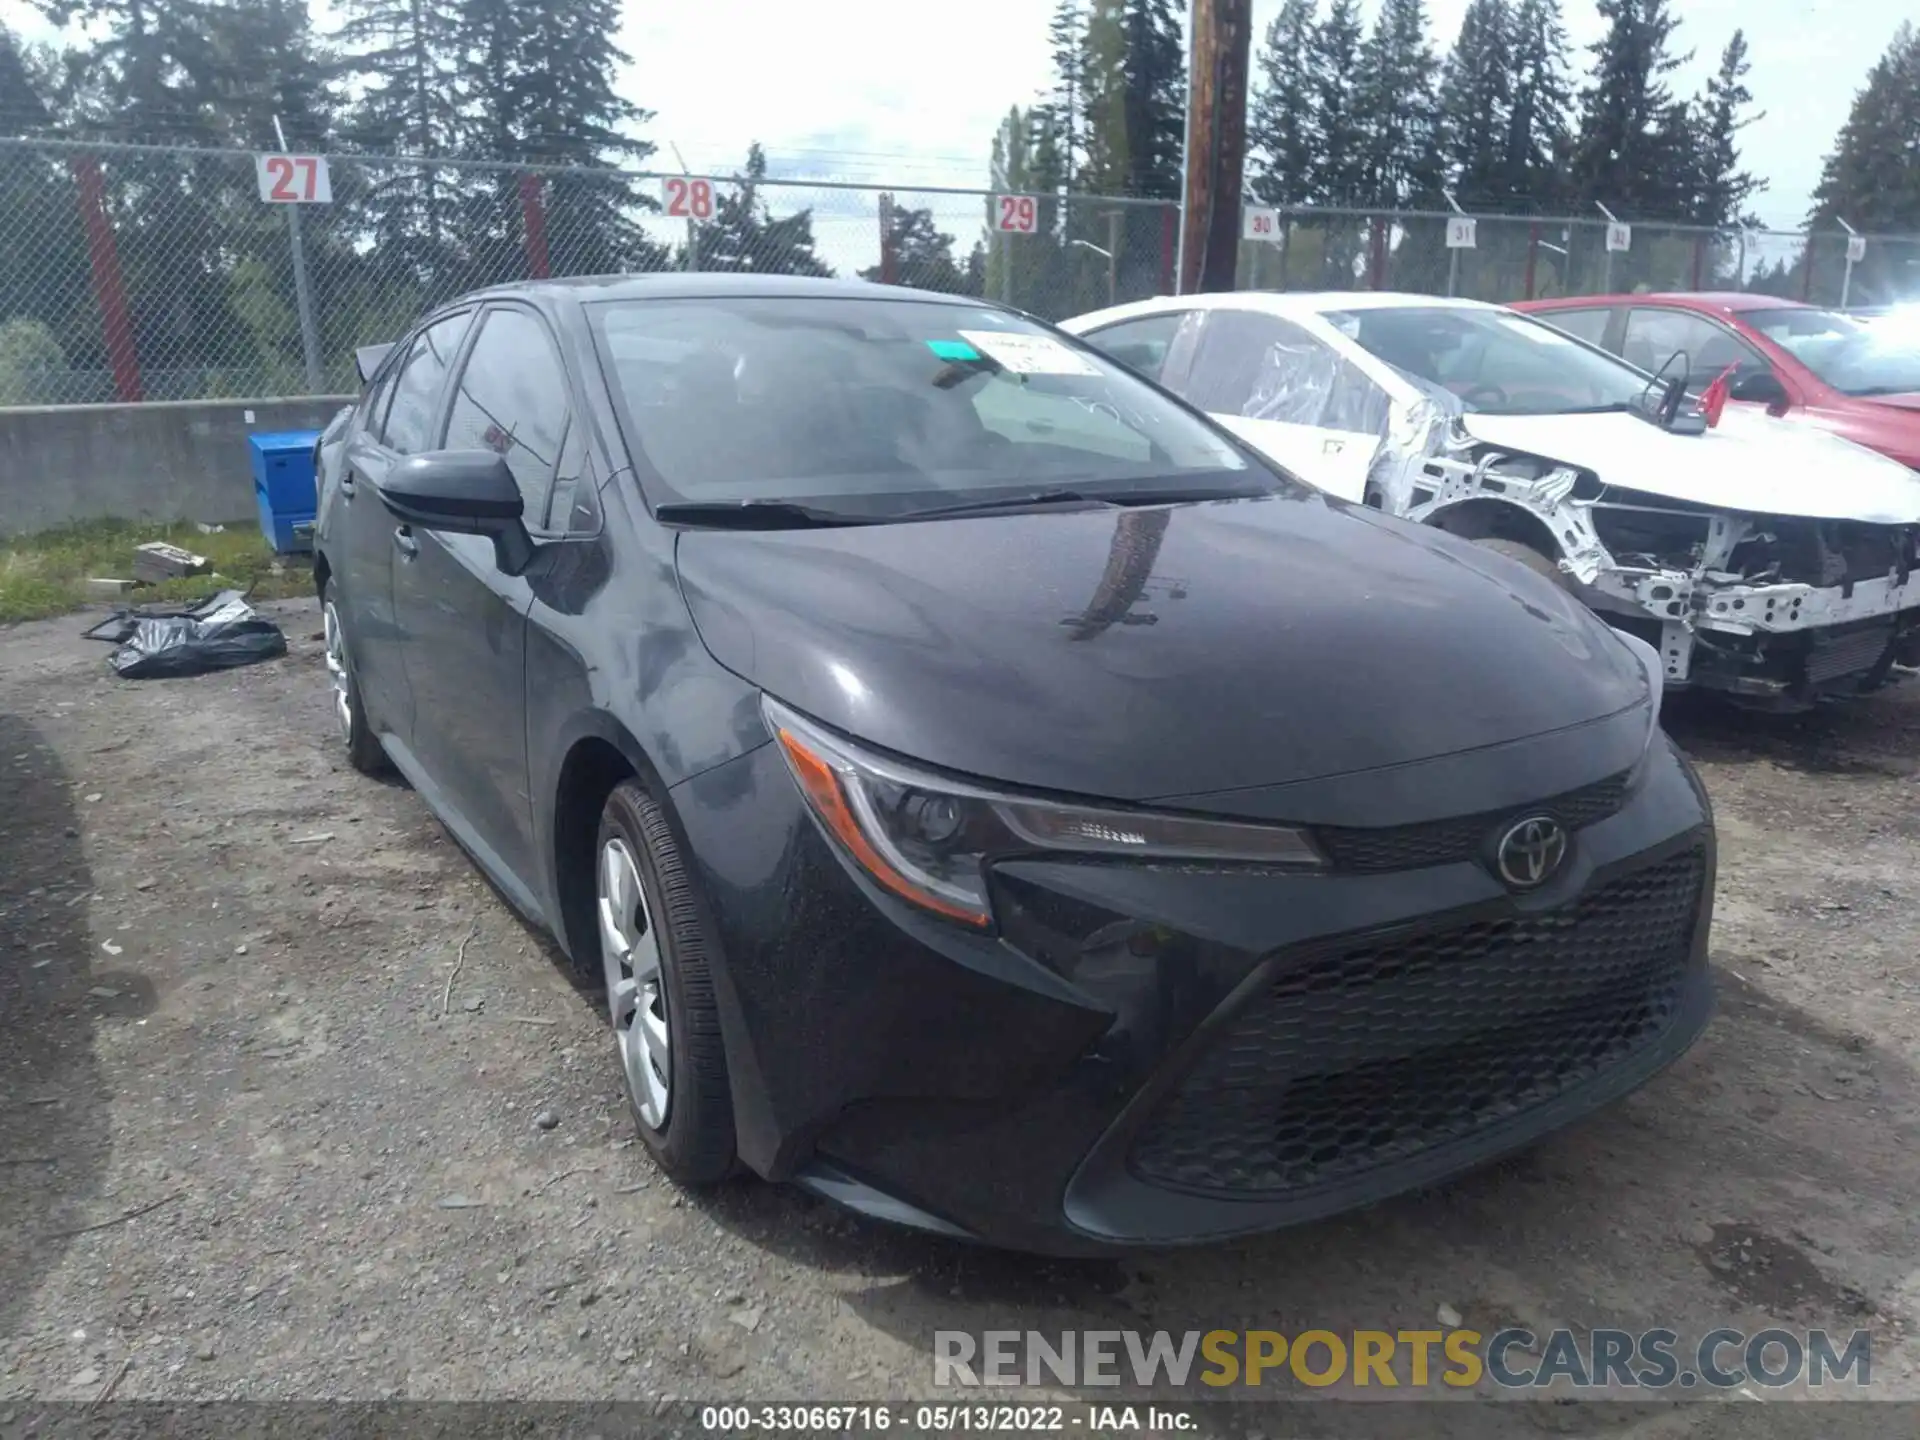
x=1216, y=142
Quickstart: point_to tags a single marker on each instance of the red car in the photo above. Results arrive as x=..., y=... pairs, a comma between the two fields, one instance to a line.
x=1816, y=365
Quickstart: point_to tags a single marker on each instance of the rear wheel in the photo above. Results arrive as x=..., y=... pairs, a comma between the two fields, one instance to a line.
x=1527, y=556
x=654, y=950
x=350, y=715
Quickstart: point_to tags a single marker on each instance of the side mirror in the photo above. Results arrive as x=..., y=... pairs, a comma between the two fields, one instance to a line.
x=463, y=492
x=1760, y=387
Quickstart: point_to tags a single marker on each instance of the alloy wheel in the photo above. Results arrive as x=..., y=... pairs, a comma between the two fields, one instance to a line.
x=336, y=639
x=636, y=995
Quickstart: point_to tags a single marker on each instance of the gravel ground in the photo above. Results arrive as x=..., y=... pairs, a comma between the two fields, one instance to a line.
x=292, y=1107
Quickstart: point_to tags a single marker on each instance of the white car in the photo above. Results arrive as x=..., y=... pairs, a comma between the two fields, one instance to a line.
x=1764, y=559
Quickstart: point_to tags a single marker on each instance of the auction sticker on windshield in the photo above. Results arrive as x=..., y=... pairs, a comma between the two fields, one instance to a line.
x=1029, y=354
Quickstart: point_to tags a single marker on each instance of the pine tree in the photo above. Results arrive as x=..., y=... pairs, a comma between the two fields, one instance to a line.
x=25, y=88
x=922, y=252
x=1476, y=102
x=1624, y=152
x=1134, y=99
x=1399, y=108
x=1538, y=136
x=1066, y=34
x=1871, y=178
x=404, y=60
x=269, y=66
x=744, y=236
x=1283, y=133
x=544, y=75
x=143, y=73
x=1333, y=68
x=1722, y=188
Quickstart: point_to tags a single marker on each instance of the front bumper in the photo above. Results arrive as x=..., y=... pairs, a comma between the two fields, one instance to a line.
x=1151, y=1055
x=1787, y=643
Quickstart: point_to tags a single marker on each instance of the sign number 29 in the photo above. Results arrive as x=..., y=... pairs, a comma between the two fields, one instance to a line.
x=687, y=198
x=1017, y=214
x=293, y=179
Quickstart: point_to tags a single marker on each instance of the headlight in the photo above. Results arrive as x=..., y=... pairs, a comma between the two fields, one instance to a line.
x=928, y=839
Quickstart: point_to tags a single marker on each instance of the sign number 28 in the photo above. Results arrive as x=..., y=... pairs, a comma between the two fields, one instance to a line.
x=688, y=199
x=1019, y=214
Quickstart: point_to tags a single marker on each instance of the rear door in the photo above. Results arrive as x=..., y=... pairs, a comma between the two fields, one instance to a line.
x=1288, y=394
x=390, y=425
x=463, y=623
x=1655, y=334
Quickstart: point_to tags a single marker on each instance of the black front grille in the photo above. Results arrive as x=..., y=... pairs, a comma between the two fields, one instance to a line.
x=1446, y=842
x=1364, y=1056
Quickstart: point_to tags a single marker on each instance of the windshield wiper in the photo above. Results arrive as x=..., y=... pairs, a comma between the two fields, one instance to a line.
x=756, y=515
x=1168, y=495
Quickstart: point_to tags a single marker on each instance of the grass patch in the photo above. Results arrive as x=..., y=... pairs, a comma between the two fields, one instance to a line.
x=47, y=574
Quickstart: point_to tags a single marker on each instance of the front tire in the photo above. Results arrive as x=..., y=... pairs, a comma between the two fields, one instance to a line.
x=655, y=950
x=349, y=712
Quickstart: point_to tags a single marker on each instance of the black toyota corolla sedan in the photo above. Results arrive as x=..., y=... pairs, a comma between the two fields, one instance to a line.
x=996, y=799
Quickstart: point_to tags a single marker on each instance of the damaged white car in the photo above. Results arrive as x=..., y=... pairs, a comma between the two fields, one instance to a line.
x=1770, y=561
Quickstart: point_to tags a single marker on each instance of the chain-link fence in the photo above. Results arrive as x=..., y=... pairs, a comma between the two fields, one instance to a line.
x=155, y=273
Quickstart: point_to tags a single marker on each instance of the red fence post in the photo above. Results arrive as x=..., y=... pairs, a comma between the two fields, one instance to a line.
x=1167, y=216
x=1533, y=254
x=1377, y=258
x=109, y=286
x=533, y=221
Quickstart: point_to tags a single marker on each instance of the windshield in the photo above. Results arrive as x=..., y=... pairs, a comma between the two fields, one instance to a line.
x=1492, y=361
x=884, y=408
x=1855, y=359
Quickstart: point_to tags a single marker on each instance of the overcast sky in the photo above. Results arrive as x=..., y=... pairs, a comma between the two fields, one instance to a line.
x=905, y=92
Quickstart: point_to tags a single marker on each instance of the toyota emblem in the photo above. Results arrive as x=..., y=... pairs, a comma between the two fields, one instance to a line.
x=1530, y=851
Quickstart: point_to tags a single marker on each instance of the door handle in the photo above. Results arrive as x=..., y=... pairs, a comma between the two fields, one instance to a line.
x=403, y=537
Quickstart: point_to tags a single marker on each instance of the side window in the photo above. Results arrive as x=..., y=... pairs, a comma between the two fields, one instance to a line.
x=1587, y=325
x=1266, y=368
x=373, y=409
x=1654, y=335
x=512, y=399
x=417, y=385
x=1138, y=344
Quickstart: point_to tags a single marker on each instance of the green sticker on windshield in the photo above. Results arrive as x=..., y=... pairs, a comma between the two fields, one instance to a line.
x=953, y=350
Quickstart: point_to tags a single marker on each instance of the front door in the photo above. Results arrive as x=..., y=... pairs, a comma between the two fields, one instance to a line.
x=463, y=622
x=397, y=419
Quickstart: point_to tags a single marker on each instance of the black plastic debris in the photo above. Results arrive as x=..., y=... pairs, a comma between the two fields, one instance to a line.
x=221, y=633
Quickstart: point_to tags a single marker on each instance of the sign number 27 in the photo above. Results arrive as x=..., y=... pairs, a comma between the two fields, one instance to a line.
x=293, y=179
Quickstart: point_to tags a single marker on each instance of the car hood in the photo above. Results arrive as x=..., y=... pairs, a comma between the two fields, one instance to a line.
x=1149, y=653
x=1749, y=462
x=1893, y=402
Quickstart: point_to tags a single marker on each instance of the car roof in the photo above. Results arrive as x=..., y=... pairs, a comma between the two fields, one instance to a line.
x=1288, y=304
x=1725, y=302
x=706, y=284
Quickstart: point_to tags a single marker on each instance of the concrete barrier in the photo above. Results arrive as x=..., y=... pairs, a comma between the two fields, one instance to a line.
x=168, y=460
